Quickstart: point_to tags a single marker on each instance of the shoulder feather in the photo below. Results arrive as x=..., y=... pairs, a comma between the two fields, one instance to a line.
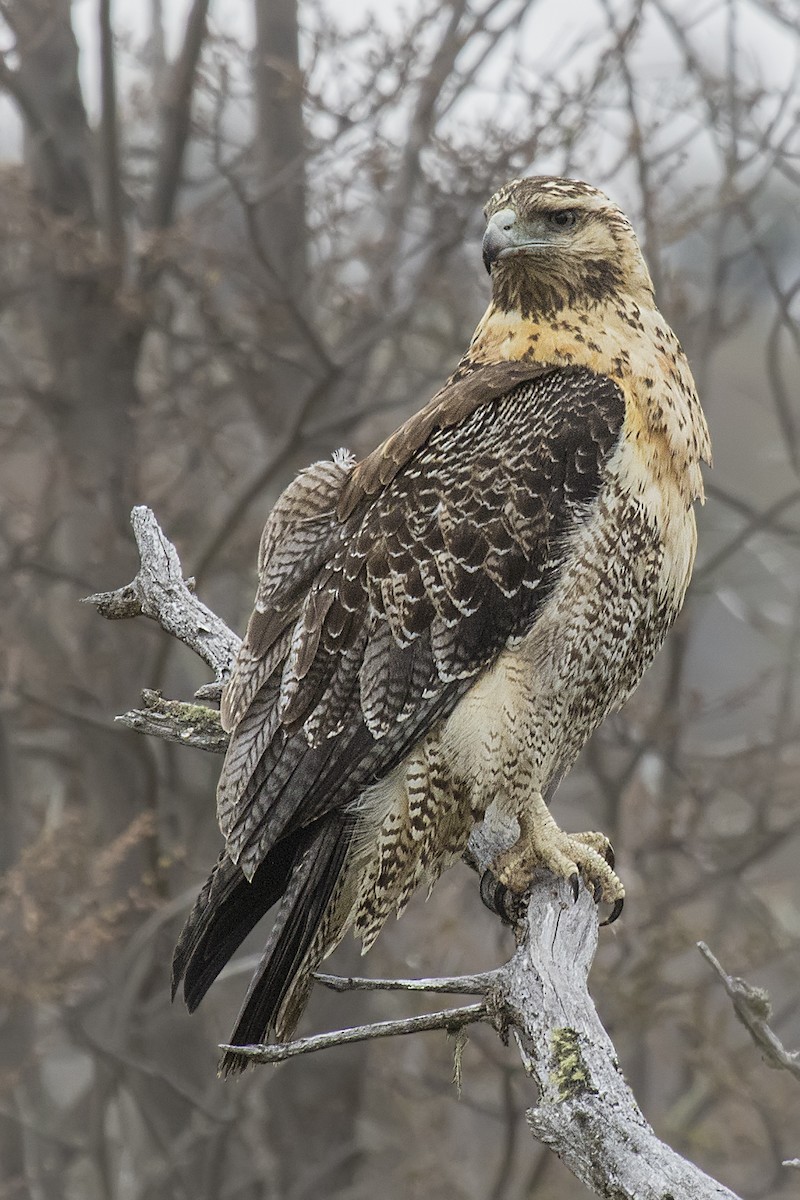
x=450, y=406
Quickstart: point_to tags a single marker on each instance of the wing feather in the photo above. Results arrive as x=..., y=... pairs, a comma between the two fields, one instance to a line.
x=301, y=533
x=390, y=586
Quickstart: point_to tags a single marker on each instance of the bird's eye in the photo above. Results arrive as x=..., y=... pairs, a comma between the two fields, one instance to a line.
x=565, y=218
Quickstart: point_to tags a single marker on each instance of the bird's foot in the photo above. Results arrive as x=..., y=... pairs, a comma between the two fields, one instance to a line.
x=569, y=855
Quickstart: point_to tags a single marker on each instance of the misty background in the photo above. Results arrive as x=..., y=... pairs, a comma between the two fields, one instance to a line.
x=234, y=237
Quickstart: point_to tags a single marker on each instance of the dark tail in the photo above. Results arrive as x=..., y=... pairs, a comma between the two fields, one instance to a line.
x=226, y=910
x=304, y=872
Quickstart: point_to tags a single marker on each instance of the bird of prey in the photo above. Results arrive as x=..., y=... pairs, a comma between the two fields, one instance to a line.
x=440, y=627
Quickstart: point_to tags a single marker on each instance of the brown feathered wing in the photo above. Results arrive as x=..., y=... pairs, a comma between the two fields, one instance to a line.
x=385, y=589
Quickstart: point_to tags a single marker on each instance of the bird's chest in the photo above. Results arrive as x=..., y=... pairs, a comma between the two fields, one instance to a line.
x=624, y=578
x=621, y=585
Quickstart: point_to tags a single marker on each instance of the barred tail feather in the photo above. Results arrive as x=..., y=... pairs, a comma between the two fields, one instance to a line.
x=309, y=923
x=227, y=909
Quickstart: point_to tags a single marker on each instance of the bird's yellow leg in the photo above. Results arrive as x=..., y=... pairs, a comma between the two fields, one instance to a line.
x=542, y=844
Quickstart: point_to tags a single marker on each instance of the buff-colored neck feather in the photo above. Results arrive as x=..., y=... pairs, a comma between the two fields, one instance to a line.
x=629, y=341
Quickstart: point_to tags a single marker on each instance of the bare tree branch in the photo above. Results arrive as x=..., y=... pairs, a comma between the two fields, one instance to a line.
x=177, y=113
x=586, y=1111
x=159, y=592
x=109, y=138
x=753, y=1007
x=193, y=725
x=451, y=1019
x=463, y=985
x=760, y=521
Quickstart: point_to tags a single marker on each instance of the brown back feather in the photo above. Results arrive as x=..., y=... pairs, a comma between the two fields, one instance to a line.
x=450, y=406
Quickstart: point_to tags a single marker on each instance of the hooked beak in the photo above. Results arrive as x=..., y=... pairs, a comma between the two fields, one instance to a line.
x=493, y=243
x=504, y=238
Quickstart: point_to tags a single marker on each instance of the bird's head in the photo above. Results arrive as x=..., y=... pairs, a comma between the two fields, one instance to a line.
x=554, y=243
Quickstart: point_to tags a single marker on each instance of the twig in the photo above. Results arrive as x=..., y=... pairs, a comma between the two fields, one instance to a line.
x=176, y=721
x=450, y=1019
x=759, y=522
x=753, y=1007
x=462, y=985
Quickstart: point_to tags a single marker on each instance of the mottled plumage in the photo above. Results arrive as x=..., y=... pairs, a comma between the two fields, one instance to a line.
x=439, y=628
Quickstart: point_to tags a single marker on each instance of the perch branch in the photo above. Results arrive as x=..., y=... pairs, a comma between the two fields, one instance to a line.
x=584, y=1111
x=160, y=592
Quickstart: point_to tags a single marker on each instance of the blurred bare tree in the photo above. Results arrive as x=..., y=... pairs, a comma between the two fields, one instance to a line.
x=224, y=259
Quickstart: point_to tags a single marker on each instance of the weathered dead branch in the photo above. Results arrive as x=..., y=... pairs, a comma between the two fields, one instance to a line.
x=160, y=592
x=585, y=1111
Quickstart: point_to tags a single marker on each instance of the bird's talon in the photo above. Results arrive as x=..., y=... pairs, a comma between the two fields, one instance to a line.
x=609, y=855
x=598, y=892
x=499, y=899
x=615, y=911
x=575, y=884
x=490, y=889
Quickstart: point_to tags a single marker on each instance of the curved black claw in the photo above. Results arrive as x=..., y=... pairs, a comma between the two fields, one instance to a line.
x=609, y=855
x=598, y=892
x=616, y=910
x=493, y=894
x=575, y=884
x=500, y=900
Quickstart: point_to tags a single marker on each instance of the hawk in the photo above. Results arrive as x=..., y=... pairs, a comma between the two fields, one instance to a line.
x=440, y=627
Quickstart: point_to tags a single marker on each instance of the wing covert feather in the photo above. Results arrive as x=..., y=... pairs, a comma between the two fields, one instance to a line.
x=300, y=534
